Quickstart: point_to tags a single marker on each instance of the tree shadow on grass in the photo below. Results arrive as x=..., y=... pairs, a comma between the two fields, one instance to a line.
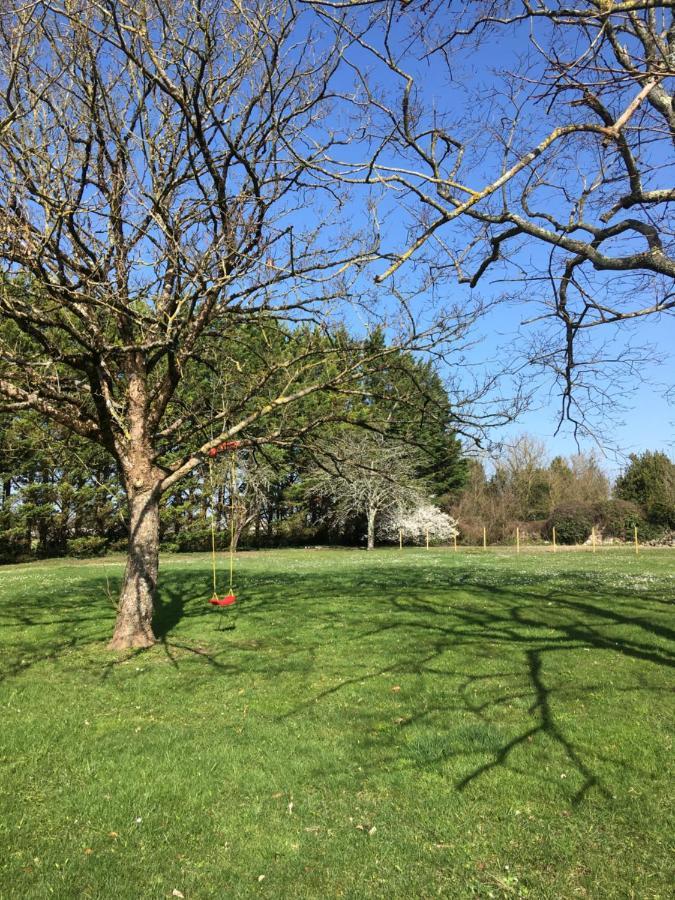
x=525, y=625
x=452, y=631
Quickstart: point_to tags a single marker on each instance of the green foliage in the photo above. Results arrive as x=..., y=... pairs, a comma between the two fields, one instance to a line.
x=573, y=524
x=59, y=488
x=55, y=488
x=661, y=512
x=649, y=481
x=86, y=547
x=408, y=400
x=618, y=518
x=196, y=538
x=14, y=545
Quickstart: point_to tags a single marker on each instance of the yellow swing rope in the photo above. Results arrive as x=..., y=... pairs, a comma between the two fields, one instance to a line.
x=233, y=488
x=213, y=534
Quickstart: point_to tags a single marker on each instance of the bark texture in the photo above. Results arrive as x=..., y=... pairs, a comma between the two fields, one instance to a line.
x=372, y=513
x=133, y=627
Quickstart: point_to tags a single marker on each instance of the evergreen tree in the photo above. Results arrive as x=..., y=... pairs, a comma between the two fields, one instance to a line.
x=649, y=481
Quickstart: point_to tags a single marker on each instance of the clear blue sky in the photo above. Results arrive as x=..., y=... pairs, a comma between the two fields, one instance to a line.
x=638, y=416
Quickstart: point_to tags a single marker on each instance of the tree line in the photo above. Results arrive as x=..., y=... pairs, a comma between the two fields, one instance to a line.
x=526, y=489
x=388, y=441
x=351, y=485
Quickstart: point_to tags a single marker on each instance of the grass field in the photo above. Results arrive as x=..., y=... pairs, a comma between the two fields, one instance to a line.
x=405, y=725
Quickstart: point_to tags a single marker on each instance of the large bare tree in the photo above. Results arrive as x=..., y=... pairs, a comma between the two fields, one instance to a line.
x=530, y=141
x=158, y=202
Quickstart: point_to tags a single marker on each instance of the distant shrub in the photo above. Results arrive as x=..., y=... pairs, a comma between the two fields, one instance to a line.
x=294, y=532
x=533, y=532
x=618, y=518
x=573, y=524
x=87, y=547
x=118, y=545
x=193, y=540
x=13, y=545
x=651, y=532
x=470, y=532
x=661, y=512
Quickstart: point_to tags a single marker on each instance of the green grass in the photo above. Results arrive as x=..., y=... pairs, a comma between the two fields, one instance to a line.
x=409, y=725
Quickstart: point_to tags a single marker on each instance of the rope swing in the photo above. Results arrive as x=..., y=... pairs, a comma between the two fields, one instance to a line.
x=230, y=598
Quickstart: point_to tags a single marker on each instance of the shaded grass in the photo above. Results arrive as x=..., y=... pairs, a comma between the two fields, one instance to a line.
x=391, y=724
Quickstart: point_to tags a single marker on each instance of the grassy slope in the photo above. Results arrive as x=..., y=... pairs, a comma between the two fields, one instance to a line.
x=377, y=725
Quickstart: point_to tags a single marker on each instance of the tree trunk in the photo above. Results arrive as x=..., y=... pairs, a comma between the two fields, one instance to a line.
x=371, y=528
x=133, y=627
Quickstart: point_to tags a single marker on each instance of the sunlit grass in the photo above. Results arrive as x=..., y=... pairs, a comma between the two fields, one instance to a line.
x=408, y=725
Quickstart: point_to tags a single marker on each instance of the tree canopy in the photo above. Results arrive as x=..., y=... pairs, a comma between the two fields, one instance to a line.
x=155, y=173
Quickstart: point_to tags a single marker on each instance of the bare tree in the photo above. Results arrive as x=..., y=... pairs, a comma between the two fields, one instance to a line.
x=156, y=172
x=544, y=155
x=239, y=486
x=365, y=474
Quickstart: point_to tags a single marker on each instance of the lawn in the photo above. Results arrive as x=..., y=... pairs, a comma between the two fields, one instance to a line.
x=399, y=725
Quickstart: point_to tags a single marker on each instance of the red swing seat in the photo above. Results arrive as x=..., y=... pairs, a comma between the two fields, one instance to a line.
x=227, y=600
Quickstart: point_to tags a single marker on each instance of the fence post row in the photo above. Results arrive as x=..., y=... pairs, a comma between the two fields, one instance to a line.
x=554, y=539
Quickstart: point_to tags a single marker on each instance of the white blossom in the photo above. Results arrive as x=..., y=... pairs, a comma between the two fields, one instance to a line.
x=416, y=523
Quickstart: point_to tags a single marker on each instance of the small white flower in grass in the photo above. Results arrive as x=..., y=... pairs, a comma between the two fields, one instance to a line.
x=138, y=820
x=176, y=893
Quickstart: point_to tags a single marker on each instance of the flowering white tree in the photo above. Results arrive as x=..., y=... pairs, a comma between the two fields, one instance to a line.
x=415, y=524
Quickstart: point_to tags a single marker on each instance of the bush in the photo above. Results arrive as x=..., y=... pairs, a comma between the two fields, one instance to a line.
x=618, y=518
x=198, y=540
x=660, y=512
x=573, y=524
x=651, y=532
x=87, y=547
x=13, y=545
x=294, y=532
x=118, y=545
x=532, y=532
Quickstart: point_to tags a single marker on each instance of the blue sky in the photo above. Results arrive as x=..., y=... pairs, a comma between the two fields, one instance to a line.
x=638, y=415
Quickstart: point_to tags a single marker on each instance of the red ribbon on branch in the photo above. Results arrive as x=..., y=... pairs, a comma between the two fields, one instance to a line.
x=226, y=445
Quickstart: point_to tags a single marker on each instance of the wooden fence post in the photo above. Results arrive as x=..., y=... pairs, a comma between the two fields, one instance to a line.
x=454, y=537
x=554, y=539
x=400, y=539
x=517, y=540
x=427, y=538
x=484, y=538
x=635, y=538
